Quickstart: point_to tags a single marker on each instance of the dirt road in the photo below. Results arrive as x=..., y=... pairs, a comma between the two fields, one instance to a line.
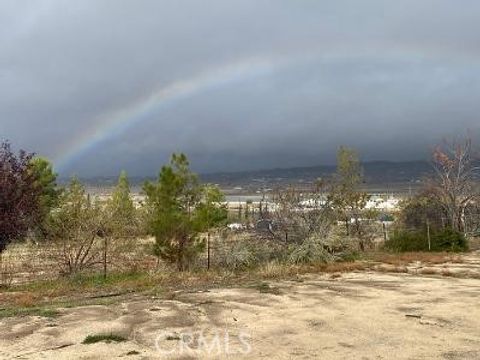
x=364, y=315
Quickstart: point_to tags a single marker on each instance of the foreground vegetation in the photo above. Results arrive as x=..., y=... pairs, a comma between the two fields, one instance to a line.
x=46, y=298
x=93, y=339
x=440, y=240
x=94, y=251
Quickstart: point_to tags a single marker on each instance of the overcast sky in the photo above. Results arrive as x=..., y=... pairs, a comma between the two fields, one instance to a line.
x=99, y=86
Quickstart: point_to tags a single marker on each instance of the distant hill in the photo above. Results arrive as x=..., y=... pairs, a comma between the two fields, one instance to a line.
x=375, y=172
x=379, y=176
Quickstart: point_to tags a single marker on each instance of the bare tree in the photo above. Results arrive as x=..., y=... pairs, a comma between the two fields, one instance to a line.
x=76, y=229
x=349, y=201
x=298, y=215
x=456, y=179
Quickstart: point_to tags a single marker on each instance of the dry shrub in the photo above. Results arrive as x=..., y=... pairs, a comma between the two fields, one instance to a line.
x=247, y=252
x=446, y=272
x=386, y=268
x=428, y=271
x=311, y=251
x=25, y=299
x=276, y=270
x=474, y=243
x=239, y=256
x=341, y=267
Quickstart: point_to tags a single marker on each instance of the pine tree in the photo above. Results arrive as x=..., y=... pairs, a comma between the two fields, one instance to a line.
x=181, y=209
x=210, y=213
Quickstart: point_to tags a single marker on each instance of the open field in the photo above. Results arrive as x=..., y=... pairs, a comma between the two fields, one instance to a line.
x=400, y=308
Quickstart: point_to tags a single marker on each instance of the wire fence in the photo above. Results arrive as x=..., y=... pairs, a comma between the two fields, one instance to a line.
x=26, y=262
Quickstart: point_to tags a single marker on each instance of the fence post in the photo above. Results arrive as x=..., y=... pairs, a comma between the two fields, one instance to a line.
x=208, y=250
x=428, y=236
x=105, y=257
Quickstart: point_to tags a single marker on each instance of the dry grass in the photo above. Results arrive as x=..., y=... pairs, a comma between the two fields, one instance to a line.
x=29, y=311
x=86, y=289
x=410, y=257
x=89, y=288
x=392, y=269
x=428, y=271
x=446, y=272
x=25, y=299
x=341, y=267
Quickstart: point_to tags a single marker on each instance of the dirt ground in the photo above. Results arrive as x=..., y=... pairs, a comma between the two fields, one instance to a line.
x=360, y=315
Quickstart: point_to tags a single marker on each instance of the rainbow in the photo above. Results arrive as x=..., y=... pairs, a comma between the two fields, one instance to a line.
x=116, y=122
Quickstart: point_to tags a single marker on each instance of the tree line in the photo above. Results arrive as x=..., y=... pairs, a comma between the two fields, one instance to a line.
x=82, y=228
x=447, y=207
x=180, y=212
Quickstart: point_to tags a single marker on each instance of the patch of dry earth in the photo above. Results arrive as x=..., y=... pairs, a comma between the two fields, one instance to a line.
x=364, y=315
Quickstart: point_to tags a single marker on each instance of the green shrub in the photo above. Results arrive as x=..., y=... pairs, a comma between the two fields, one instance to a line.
x=402, y=241
x=444, y=240
x=449, y=240
x=108, y=338
x=28, y=311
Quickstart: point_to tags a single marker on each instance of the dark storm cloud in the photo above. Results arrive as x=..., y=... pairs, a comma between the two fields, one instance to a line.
x=387, y=77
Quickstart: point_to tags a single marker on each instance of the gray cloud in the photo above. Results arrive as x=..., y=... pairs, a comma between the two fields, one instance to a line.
x=389, y=78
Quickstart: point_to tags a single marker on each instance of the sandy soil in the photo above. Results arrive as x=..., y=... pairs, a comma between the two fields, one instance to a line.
x=364, y=315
